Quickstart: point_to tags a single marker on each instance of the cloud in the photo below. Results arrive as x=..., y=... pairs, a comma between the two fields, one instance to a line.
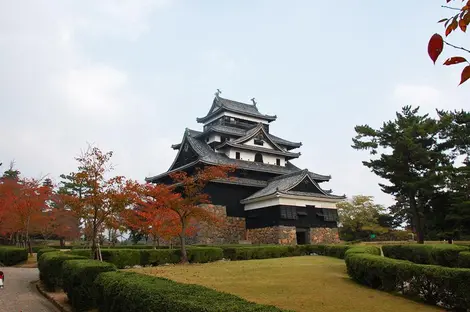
x=56, y=97
x=417, y=95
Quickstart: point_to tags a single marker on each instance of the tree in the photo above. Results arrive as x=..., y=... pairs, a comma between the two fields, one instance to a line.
x=416, y=165
x=458, y=21
x=184, y=200
x=106, y=197
x=359, y=217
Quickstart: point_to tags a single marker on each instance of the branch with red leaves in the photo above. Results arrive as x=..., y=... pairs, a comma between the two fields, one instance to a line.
x=460, y=21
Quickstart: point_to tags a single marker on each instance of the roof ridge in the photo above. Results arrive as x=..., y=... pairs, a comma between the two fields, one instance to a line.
x=287, y=175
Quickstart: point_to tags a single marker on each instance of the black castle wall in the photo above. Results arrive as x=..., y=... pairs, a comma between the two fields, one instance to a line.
x=271, y=216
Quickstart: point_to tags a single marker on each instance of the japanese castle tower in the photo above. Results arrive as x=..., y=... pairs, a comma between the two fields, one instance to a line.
x=268, y=199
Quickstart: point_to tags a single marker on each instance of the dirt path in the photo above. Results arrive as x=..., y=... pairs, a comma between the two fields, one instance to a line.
x=19, y=295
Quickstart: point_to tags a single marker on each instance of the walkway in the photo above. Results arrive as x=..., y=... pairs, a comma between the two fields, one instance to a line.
x=19, y=295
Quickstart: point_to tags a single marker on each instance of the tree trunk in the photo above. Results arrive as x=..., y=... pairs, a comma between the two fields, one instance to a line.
x=184, y=255
x=154, y=241
x=62, y=242
x=419, y=226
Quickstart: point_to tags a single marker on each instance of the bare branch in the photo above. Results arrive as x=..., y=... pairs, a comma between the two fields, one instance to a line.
x=451, y=8
x=456, y=47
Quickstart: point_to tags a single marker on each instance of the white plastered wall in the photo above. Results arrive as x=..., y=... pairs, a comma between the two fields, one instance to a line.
x=299, y=202
x=250, y=156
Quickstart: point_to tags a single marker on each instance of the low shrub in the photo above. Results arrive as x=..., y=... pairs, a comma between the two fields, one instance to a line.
x=12, y=255
x=159, y=256
x=337, y=251
x=372, y=250
x=50, y=267
x=43, y=251
x=129, y=257
x=464, y=259
x=78, y=277
x=431, y=283
x=247, y=253
x=126, y=291
x=438, y=254
x=37, y=248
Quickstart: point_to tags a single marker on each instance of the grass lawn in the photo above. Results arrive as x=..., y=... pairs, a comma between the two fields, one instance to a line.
x=310, y=283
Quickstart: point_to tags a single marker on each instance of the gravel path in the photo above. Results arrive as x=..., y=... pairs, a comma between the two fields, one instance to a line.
x=19, y=295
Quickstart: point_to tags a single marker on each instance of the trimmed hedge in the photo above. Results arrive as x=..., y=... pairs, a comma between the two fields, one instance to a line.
x=431, y=283
x=442, y=254
x=37, y=248
x=50, y=267
x=78, y=277
x=12, y=255
x=43, y=251
x=126, y=291
x=130, y=257
x=464, y=259
x=371, y=250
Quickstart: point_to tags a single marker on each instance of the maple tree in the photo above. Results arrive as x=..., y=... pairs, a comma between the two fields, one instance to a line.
x=191, y=190
x=22, y=202
x=105, y=197
x=459, y=21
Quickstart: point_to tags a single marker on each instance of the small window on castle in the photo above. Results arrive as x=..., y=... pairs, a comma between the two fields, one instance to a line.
x=258, y=157
x=278, y=161
x=237, y=155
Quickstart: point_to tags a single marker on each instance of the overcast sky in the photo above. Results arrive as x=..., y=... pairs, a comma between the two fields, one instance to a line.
x=129, y=76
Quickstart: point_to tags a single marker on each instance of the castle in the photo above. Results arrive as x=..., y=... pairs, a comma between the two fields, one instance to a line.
x=268, y=200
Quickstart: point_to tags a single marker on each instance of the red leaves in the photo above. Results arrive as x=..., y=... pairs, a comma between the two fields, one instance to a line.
x=460, y=20
x=465, y=74
x=435, y=47
x=455, y=60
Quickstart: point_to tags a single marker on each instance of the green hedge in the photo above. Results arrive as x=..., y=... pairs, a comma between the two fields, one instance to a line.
x=43, y=251
x=78, y=277
x=442, y=254
x=50, y=267
x=372, y=250
x=130, y=257
x=126, y=291
x=12, y=255
x=431, y=283
x=37, y=248
x=464, y=259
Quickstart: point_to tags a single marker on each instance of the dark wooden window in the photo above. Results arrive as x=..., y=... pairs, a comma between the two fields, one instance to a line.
x=278, y=161
x=329, y=214
x=237, y=155
x=259, y=157
x=258, y=142
x=288, y=213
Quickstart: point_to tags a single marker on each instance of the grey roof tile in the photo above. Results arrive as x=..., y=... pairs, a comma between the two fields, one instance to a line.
x=236, y=107
x=285, y=182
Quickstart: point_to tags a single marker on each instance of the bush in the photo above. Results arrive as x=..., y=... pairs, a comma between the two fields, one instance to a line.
x=129, y=257
x=439, y=254
x=372, y=250
x=43, y=251
x=159, y=256
x=78, y=277
x=433, y=284
x=464, y=259
x=126, y=291
x=12, y=255
x=247, y=253
x=50, y=267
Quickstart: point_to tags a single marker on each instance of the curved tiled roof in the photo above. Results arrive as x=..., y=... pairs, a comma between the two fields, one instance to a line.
x=283, y=184
x=236, y=107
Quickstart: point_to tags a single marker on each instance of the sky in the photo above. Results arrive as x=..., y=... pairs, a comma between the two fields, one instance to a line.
x=131, y=75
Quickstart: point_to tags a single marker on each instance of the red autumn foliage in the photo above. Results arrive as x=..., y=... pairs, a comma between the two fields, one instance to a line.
x=451, y=24
x=105, y=199
x=22, y=203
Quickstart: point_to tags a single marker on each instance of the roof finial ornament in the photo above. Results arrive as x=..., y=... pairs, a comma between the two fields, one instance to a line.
x=254, y=102
x=218, y=93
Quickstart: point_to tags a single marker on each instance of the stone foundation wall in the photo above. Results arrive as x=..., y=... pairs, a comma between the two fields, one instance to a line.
x=283, y=235
x=229, y=230
x=324, y=235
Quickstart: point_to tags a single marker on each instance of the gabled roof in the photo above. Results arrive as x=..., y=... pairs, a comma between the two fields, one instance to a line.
x=252, y=133
x=220, y=104
x=283, y=185
x=259, y=149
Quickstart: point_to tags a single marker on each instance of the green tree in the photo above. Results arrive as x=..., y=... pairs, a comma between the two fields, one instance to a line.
x=359, y=218
x=410, y=157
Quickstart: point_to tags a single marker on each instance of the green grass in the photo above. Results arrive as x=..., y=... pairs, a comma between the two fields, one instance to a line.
x=297, y=283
